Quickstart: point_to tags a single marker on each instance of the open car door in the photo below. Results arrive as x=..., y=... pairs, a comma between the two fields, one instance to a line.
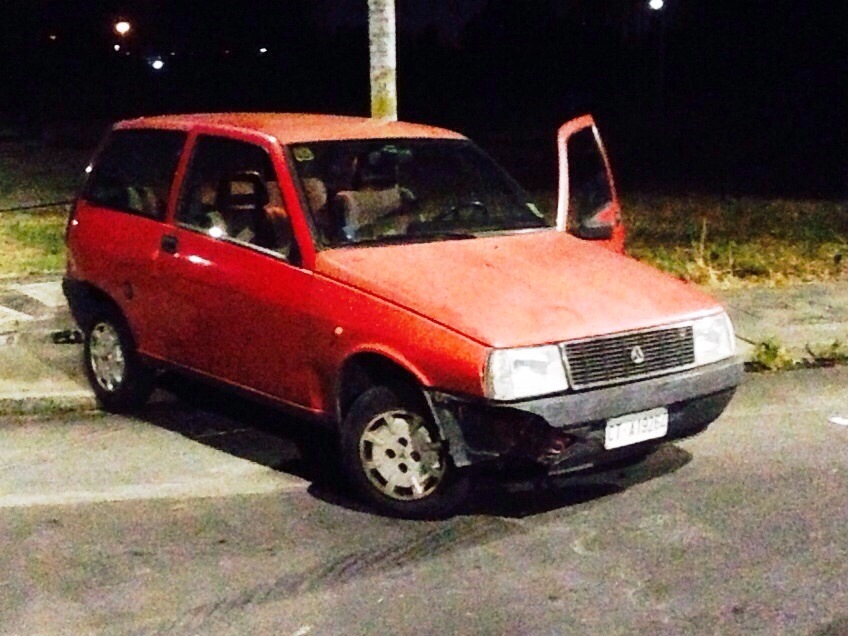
x=588, y=205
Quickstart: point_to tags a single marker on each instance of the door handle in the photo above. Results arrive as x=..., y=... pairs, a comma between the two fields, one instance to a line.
x=169, y=244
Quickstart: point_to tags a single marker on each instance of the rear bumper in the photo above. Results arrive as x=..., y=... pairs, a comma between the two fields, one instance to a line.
x=566, y=431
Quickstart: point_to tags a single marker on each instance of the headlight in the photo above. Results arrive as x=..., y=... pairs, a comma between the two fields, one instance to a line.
x=714, y=339
x=512, y=374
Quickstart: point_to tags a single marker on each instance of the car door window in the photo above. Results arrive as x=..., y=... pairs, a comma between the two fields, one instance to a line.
x=589, y=186
x=231, y=193
x=133, y=172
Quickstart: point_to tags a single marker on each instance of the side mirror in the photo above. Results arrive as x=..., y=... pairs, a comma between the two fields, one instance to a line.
x=594, y=230
x=587, y=206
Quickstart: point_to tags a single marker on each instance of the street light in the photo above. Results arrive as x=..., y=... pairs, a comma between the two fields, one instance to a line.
x=122, y=27
x=656, y=5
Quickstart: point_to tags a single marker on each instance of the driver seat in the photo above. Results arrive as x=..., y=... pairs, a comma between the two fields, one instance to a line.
x=244, y=214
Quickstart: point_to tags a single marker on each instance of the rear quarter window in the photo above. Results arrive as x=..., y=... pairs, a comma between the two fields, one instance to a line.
x=134, y=171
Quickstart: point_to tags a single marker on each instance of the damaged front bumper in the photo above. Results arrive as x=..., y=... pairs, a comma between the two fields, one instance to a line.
x=566, y=432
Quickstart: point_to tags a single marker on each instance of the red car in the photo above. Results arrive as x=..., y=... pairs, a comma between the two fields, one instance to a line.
x=392, y=281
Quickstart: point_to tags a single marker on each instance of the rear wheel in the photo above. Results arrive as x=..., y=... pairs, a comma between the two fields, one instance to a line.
x=121, y=382
x=397, y=458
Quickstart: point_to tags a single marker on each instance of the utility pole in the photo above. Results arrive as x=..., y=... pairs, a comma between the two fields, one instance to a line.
x=383, y=49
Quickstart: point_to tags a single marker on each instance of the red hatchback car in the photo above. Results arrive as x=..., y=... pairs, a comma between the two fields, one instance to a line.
x=392, y=281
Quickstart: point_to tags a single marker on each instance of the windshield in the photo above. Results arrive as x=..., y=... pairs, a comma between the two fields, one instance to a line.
x=383, y=191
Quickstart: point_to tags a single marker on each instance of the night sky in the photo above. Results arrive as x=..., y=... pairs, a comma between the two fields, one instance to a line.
x=738, y=97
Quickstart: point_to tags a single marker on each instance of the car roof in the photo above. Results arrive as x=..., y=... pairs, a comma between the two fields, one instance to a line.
x=291, y=128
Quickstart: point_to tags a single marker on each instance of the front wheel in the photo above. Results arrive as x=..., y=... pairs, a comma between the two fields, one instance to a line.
x=119, y=379
x=397, y=458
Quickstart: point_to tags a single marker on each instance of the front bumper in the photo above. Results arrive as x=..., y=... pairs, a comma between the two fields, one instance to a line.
x=566, y=431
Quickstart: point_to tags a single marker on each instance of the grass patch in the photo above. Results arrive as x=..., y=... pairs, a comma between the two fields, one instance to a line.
x=730, y=242
x=35, y=174
x=32, y=174
x=32, y=242
x=771, y=355
x=830, y=355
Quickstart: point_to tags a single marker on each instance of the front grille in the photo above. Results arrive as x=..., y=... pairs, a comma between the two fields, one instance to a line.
x=611, y=359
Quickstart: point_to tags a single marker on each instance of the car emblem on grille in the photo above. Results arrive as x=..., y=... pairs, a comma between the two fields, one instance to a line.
x=637, y=355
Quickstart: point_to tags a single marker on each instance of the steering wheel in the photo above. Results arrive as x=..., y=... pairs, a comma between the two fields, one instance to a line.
x=455, y=213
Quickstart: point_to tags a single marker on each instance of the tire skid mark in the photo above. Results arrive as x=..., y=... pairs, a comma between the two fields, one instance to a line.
x=449, y=537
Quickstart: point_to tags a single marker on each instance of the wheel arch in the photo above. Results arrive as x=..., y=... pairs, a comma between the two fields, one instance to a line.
x=366, y=369
x=86, y=300
x=371, y=385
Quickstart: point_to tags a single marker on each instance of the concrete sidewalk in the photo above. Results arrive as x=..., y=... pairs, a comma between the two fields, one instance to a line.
x=38, y=375
x=802, y=318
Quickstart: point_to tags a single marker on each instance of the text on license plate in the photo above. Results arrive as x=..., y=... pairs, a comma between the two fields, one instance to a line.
x=636, y=427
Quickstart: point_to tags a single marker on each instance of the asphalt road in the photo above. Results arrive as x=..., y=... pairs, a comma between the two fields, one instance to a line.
x=188, y=521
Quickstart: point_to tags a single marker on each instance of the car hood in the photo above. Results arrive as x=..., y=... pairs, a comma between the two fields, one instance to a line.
x=519, y=289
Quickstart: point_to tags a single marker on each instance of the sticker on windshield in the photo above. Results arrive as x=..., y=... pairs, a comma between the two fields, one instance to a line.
x=303, y=153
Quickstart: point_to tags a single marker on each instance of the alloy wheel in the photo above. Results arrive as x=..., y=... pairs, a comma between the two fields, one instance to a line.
x=106, y=356
x=401, y=456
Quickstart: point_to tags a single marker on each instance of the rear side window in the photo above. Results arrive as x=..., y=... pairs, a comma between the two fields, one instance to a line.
x=133, y=172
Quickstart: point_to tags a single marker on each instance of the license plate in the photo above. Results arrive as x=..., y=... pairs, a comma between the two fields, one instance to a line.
x=636, y=427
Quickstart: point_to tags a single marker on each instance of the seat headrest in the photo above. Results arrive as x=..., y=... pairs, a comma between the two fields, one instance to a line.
x=365, y=207
x=316, y=193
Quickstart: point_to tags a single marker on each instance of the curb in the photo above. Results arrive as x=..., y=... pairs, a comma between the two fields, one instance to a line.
x=78, y=401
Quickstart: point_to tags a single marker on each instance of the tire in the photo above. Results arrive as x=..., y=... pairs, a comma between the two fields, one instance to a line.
x=121, y=382
x=396, y=457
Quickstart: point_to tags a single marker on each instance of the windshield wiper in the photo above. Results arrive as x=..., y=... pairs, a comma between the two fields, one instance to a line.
x=448, y=236
x=413, y=238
